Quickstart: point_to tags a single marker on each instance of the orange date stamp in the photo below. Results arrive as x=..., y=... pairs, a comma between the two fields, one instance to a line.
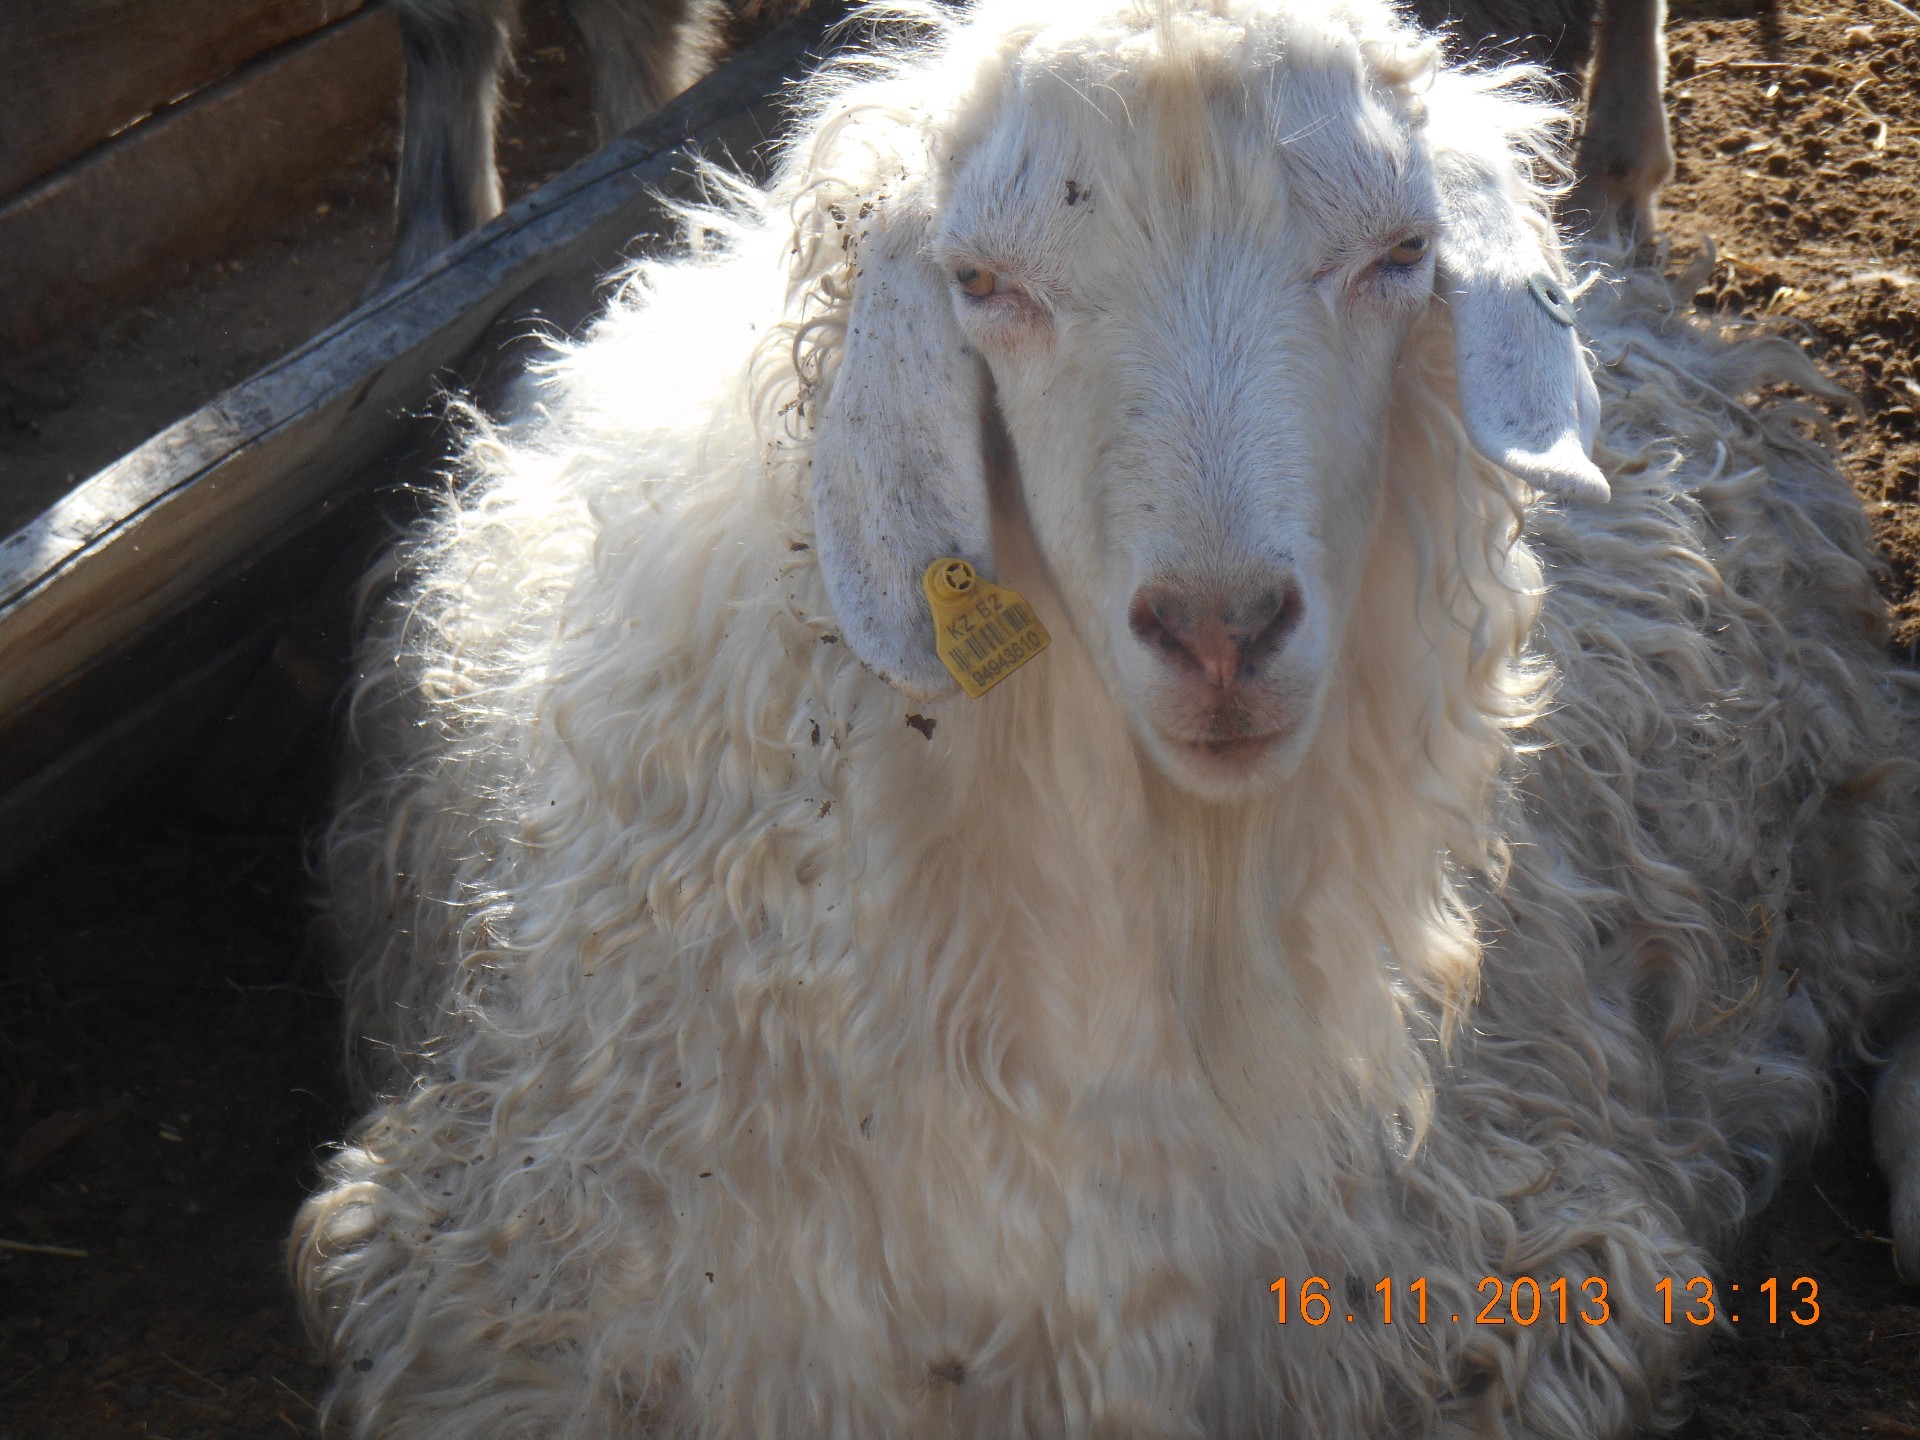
x=1528, y=1301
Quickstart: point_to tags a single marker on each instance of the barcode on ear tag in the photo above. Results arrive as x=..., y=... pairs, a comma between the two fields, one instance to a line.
x=985, y=631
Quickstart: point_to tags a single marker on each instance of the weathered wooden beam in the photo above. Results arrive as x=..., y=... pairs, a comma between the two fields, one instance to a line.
x=108, y=572
x=259, y=589
x=238, y=156
x=74, y=72
x=103, y=762
x=197, y=703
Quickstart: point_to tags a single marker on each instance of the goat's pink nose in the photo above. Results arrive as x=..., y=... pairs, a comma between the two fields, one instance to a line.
x=1215, y=637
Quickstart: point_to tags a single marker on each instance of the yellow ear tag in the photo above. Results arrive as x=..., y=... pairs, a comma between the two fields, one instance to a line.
x=986, y=631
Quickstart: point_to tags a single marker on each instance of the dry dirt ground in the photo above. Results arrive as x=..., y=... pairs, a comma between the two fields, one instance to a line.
x=1798, y=130
x=166, y=1043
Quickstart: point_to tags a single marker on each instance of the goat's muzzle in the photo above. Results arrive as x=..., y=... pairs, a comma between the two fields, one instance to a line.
x=1218, y=649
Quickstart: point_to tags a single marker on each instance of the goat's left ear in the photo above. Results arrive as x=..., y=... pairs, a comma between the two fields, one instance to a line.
x=899, y=474
x=1529, y=403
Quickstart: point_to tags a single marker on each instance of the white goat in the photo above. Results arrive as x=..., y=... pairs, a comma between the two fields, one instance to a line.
x=644, y=52
x=773, y=1042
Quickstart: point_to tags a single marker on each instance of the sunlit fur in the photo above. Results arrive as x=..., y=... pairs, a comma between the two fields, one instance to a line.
x=752, y=1062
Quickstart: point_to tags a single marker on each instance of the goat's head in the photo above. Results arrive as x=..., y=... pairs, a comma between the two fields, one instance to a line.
x=1181, y=259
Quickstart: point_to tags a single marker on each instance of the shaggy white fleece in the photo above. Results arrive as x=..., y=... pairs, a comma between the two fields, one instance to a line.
x=760, y=1052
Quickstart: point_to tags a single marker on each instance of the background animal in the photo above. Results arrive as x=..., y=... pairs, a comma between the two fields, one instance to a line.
x=1614, y=50
x=644, y=52
x=1401, y=867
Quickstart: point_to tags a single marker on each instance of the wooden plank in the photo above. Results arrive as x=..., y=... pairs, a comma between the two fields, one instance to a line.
x=147, y=728
x=260, y=590
x=74, y=72
x=142, y=538
x=239, y=155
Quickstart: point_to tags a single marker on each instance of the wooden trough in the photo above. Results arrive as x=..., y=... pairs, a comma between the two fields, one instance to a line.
x=135, y=611
x=134, y=133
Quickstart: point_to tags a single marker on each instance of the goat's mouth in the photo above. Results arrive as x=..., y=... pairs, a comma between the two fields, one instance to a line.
x=1221, y=724
x=1232, y=747
x=1226, y=765
x=1243, y=737
x=1229, y=737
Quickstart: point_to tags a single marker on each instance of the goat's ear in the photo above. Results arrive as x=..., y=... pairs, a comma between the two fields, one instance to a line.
x=899, y=473
x=1529, y=403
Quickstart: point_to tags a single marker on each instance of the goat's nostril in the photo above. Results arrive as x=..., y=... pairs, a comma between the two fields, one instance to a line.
x=1156, y=619
x=1223, y=641
x=1283, y=610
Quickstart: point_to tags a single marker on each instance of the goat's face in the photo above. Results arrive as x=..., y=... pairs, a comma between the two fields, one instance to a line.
x=1190, y=280
x=1192, y=335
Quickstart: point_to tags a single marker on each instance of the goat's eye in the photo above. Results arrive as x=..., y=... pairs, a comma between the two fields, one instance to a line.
x=977, y=283
x=1409, y=252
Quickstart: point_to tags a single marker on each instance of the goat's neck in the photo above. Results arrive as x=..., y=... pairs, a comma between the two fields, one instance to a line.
x=1230, y=953
x=1277, y=946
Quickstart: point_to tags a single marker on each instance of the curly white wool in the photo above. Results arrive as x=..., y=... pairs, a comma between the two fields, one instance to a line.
x=753, y=1062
